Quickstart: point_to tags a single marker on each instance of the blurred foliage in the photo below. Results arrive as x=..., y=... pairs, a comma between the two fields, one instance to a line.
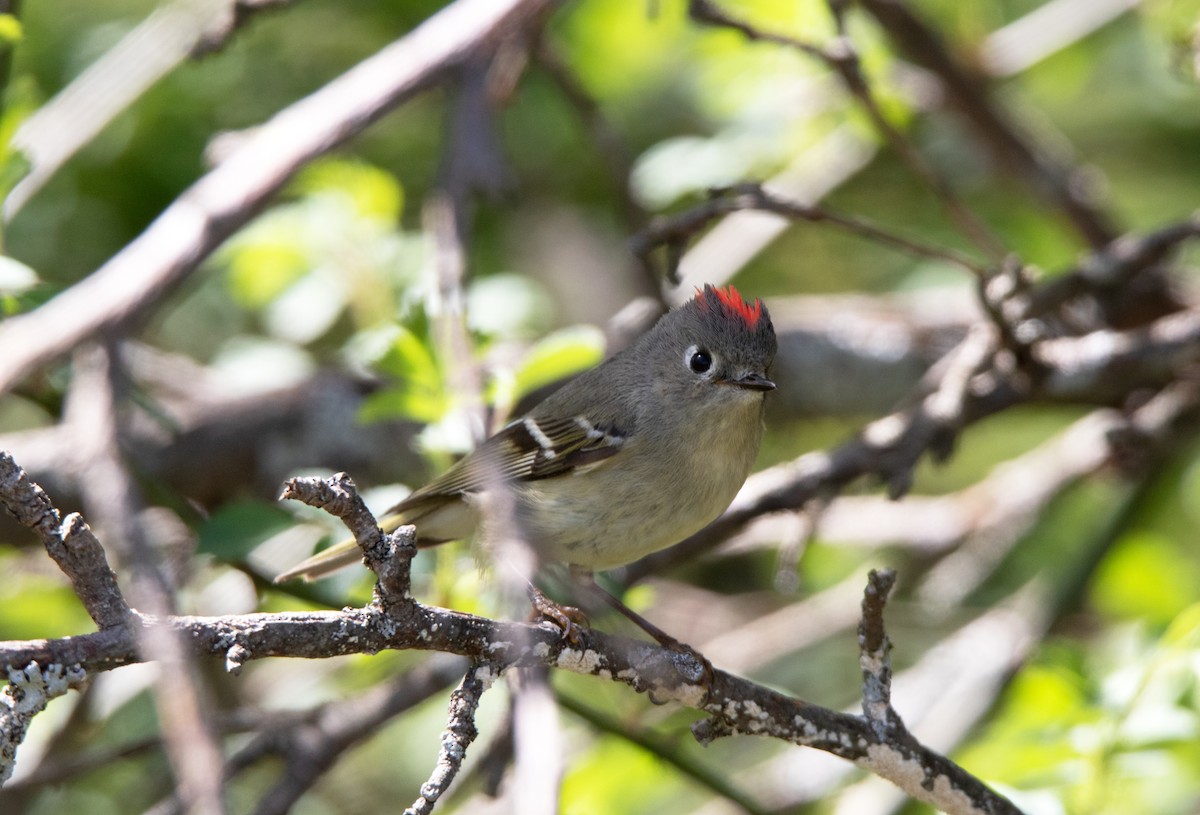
x=1110, y=726
x=338, y=273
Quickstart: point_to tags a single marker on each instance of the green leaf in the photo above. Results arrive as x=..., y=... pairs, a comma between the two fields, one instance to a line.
x=1145, y=577
x=34, y=605
x=237, y=529
x=11, y=31
x=415, y=403
x=261, y=269
x=557, y=356
x=373, y=192
x=417, y=392
x=407, y=358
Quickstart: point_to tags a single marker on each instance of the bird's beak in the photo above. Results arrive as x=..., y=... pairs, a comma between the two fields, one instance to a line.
x=752, y=381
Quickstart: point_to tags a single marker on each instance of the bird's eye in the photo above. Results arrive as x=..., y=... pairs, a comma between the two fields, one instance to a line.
x=699, y=360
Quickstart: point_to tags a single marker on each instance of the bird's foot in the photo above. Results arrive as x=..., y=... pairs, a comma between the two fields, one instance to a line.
x=571, y=621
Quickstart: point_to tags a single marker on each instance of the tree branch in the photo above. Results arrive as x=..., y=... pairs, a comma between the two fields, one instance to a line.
x=218, y=204
x=736, y=705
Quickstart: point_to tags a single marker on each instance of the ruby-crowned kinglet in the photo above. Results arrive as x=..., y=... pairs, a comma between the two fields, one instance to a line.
x=626, y=459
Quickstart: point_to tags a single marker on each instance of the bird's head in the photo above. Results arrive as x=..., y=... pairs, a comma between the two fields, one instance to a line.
x=717, y=345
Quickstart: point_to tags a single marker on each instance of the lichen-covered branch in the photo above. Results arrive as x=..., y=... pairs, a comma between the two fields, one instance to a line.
x=735, y=705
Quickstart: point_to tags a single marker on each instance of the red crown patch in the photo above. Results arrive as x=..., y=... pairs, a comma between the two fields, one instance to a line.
x=731, y=303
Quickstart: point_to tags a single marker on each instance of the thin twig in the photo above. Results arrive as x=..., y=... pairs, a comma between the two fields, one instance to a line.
x=874, y=654
x=674, y=231
x=459, y=733
x=969, y=95
x=71, y=545
x=388, y=555
x=842, y=59
x=736, y=705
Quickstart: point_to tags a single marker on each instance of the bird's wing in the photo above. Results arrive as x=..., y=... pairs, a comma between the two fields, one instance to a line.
x=525, y=450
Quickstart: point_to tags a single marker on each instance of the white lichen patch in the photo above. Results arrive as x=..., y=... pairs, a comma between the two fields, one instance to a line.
x=872, y=664
x=583, y=662
x=691, y=695
x=909, y=775
x=541, y=650
x=753, y=719
x=487, y=675
x=31, y=687
x=884, y=432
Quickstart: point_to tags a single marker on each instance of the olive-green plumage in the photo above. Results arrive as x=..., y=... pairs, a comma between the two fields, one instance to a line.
x=626, y=459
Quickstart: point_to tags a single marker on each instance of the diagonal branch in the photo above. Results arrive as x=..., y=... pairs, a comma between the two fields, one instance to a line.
x=675, y=231
x=214, y=207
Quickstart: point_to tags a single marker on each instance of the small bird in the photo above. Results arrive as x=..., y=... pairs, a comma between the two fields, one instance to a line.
x=626, y=459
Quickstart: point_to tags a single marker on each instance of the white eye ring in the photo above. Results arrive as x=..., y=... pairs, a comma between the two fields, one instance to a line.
x=698, y=360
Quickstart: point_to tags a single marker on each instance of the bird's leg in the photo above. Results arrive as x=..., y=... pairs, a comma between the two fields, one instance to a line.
x=703, y=676
x=571, y=620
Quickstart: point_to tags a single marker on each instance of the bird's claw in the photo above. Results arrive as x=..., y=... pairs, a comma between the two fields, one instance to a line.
x=571, y=621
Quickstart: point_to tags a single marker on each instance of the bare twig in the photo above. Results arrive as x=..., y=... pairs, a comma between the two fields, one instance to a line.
x=538, y=747
x=236, y=15
x=675, y=231
x=94, y=411
x=736, y=705
x=446, y=222
x=1045, y=31
x=388, y=555
x=323, y=735
x=73, y=118
x=1105, y=277
x=460, y=732
x=970, y=96
x=842, y=59
x=890, y=750
x=874, y=655
x=70, y=544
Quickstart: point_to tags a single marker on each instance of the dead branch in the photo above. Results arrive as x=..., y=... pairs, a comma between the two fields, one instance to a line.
x=735, y=705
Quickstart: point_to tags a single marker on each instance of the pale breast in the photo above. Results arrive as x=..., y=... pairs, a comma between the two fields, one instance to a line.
x=610, y=517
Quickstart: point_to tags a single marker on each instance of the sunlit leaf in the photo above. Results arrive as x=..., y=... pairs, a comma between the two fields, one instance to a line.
x=415, y=390
x=559, y=355
x=1145, y=577
x=11, y=30
x=403, y=402
x=374, y=193
x=262, y=269
x=408, y=359
x=34, y=606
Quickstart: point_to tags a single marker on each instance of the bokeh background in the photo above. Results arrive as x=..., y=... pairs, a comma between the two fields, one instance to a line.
x=1050, y=647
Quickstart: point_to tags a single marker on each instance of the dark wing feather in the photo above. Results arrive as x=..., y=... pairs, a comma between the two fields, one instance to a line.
x=524, y=450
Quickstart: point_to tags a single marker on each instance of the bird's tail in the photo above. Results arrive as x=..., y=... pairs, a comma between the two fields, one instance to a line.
x=339, y=556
